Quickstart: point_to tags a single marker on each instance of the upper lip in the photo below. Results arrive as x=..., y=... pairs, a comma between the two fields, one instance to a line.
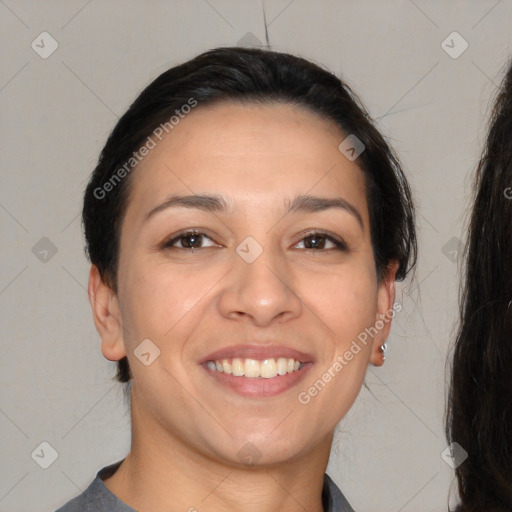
x=257, y=351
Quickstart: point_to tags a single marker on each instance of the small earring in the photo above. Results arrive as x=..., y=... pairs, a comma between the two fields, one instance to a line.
x=383, y=349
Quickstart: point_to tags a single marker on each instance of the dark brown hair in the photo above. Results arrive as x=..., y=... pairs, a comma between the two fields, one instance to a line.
x=479, y=414
x=248, y=75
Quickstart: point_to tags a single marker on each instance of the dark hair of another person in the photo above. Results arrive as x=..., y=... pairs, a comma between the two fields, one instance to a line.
x=248, y=76
x=479, y=414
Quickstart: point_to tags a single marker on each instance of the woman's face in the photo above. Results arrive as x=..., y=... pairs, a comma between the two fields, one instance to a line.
x=253, y=292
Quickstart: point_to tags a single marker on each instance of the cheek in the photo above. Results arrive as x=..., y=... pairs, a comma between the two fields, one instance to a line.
x=346, y=300
x=350, y=307
x=163, y=304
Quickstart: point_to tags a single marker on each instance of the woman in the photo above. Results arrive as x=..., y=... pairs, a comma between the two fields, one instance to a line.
x=245, y=224
x=479, y=416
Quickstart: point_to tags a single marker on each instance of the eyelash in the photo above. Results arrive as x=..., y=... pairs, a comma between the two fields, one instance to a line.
x=340, y=245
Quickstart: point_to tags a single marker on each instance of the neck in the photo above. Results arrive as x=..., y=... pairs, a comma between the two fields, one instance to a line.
x=163, y=473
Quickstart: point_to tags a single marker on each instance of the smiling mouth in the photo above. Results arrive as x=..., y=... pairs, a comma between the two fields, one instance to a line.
x=254, y=368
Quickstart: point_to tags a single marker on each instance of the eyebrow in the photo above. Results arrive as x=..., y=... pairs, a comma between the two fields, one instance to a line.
x=216, y=203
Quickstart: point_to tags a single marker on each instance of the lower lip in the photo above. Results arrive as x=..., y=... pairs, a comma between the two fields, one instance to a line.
x=259, y=387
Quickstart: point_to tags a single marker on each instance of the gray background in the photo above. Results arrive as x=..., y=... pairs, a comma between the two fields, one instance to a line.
x=56, y=386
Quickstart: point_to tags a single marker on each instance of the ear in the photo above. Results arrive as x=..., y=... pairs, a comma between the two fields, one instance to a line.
x=385, y=313
x=107, y=317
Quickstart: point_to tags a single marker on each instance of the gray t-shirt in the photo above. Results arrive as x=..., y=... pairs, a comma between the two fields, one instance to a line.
x=98, y=498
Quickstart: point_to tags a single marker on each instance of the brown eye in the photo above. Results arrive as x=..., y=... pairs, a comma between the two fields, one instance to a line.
x=188, y=240
x=317, y=240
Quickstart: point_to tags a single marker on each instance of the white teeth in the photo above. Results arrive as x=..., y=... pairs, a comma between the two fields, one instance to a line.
x=282, y=365
x=237, y=367
x=266, y=369
x=252, y=368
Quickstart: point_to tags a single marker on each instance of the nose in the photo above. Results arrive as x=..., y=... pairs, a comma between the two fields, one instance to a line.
x=260, y=292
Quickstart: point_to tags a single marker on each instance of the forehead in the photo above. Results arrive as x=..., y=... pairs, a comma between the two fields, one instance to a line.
x=252, y=153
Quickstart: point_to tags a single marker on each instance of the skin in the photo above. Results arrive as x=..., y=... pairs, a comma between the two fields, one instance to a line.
x=187, y=429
